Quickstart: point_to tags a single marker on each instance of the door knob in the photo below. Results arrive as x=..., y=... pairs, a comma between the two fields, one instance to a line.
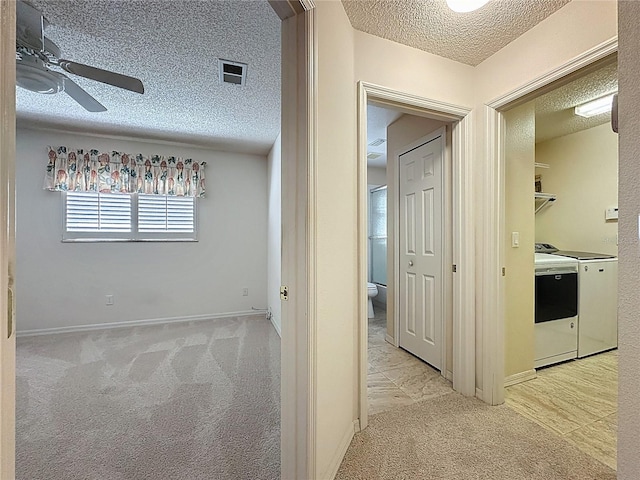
x=411, y=263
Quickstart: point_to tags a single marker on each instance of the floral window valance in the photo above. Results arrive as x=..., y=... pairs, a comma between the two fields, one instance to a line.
x=117, y=172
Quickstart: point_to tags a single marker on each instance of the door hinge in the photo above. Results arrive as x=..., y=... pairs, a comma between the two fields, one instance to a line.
x=504, y=271
x=455, y=268
x=284, y=292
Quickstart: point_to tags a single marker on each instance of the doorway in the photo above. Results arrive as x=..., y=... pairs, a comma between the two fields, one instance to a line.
x=574, y=162
x=463, y=338
x=397, y=373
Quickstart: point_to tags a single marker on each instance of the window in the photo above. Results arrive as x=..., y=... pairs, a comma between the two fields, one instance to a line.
x=94, y=216
x=378, y=235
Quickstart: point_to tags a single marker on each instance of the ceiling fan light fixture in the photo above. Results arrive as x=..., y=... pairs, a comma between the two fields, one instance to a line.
x=464, y=6
x=595, y=107
x=35, y=77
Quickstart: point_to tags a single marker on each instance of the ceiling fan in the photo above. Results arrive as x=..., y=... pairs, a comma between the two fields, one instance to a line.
x=35, y=53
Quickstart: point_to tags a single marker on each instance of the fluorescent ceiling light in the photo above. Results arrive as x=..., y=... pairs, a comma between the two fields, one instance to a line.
x=595, y=107
x=463, y=6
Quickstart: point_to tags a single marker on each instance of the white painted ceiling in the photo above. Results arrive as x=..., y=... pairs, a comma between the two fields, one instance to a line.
x=431, y=26
x=378, y=119
x=173, y=47
x=555, y=115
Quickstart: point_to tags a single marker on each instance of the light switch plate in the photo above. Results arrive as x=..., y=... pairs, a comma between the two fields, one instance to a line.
x=515, y=239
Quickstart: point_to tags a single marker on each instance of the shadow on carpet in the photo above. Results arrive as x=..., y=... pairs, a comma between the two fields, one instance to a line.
x=454, y=437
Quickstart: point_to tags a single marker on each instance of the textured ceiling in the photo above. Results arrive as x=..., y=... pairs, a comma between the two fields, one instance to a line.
x=173, y=47
x=431, y=26
x=555, y=110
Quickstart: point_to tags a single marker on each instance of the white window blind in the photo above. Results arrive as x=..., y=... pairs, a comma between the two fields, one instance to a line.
x=162, y=213
x=105, y=216
x=93, y=212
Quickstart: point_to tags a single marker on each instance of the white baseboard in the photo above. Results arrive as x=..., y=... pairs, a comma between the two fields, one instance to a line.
x=520, y=377
x=333, y=467
x=356, y=426
x=276, y=326
x=479, y=394
x=390, y=339
x=135, y=323
x=449, y=375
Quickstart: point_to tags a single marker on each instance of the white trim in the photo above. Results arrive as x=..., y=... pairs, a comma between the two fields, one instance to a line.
x=493, y=202
x=311, y=137
x=7, y=237
x=449, y=375
x=479, y=394
x=463, y=232
x=363, y=260
x=464, y=255
x=391, y=340
x=520, y=377
x=336, y=461
x=137, y=323
x=356, y=426
x=585, y=59
x=413, y=104
x=298, y=316
x=276, y=326
x=492, y=260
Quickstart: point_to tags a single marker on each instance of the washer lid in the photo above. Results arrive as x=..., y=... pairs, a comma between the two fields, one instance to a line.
x=583, y=255
x=548, y=260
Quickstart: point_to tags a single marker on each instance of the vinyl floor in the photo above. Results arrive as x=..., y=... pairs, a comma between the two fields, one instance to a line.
x=577, y=400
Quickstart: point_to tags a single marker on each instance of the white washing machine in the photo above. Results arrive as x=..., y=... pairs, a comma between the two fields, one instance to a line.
x=597, y=299
x=556, y=309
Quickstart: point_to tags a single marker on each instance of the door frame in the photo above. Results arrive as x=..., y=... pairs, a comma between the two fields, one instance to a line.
x=447, y=256
x=299, y=95
x=7, y=237
x=464, y=360
x=494, y=201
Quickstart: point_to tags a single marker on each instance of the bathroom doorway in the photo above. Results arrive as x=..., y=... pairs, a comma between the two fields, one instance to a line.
x=395, y=377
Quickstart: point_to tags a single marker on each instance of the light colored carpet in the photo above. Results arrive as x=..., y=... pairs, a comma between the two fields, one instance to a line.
x=457, y=438
x=184, y=401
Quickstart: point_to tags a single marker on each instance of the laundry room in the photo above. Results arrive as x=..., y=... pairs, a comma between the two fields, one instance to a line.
x=561, y=303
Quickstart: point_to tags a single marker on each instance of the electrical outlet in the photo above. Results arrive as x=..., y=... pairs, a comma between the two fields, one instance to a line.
x=245, y=292
x=109, y=300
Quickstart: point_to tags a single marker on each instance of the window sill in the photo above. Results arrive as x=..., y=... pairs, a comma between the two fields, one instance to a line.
x=119, y=240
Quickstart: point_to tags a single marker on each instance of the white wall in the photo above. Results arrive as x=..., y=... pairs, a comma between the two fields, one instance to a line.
x=336, y=263
x=64, y=284
x=629, y=247
x=583, y=174
x=274, y=233
x=376, y=176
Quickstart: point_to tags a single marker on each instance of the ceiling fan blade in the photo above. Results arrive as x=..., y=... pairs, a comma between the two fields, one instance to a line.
x=82, y=97
x=104, y=76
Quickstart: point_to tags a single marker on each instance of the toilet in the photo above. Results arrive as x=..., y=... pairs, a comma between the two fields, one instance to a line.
x=372, y=291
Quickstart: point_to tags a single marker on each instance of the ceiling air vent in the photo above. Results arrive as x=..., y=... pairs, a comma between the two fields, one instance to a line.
x=377, y=143
x=373, y=156
x=232, y=72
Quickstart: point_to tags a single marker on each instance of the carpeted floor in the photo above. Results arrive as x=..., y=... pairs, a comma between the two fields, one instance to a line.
x=184, y=401
x=456, y=438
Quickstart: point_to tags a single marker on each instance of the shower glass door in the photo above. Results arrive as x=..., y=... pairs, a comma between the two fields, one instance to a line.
x=378, y=236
